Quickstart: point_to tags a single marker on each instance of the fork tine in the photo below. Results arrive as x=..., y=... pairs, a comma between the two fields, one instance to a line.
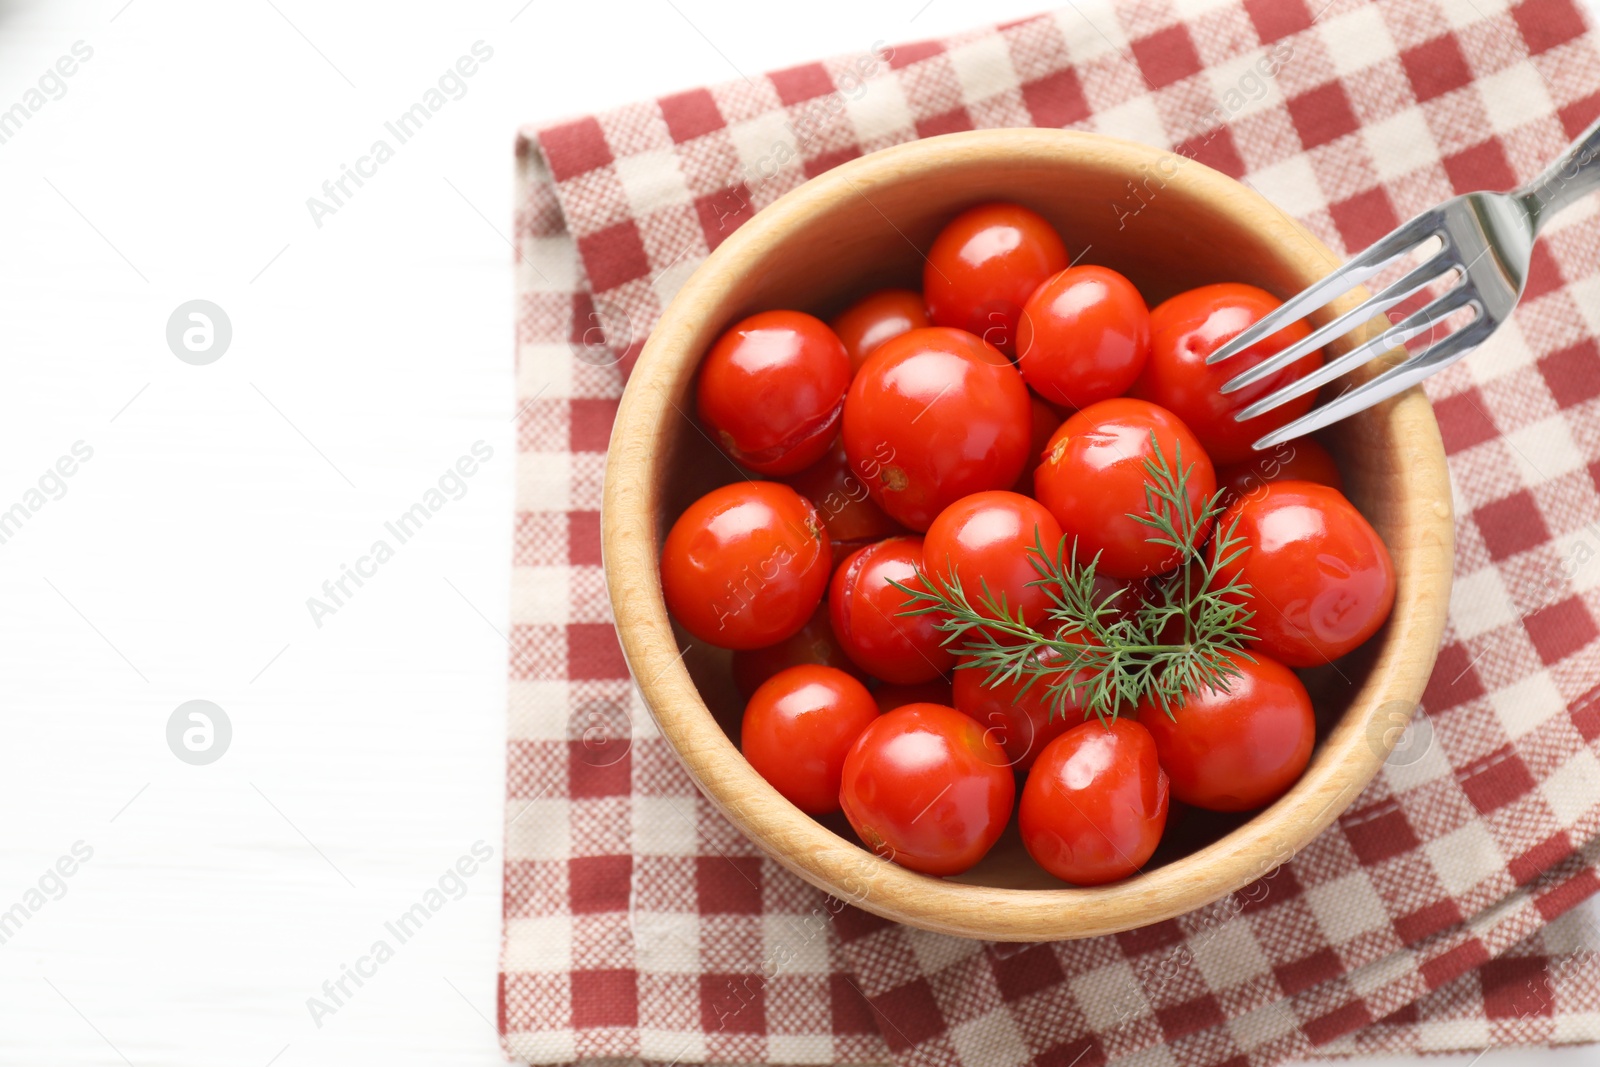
x=1414, y=282
x=1373, y=260
x=1394, y=380
x=1395, y=336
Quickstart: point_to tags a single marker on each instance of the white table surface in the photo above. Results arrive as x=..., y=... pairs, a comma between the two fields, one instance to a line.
x=367, y=355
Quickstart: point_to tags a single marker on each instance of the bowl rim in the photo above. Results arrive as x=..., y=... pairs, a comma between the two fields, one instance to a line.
x=630, y=550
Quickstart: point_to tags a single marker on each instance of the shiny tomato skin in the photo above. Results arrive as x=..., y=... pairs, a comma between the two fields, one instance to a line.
x=875, y=318
x=1187, y=328
x=812, y=643
x=1095, y=803
x=934, y=415
x=1239, y=748
x=1045, y=420
x=890, y=696
x=986, y=539
x=842, y=499
x=1093, y=478
x=1321, y=580
x=925, y=787
x=1084, y=336
x=864, y=609
x=1022, y=722
x=746, y=565
x=1300, y=460
x=983, y=266
x=771, y=390
x=797, y=728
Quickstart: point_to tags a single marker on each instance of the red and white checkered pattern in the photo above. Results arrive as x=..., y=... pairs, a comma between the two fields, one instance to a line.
x=639, y=924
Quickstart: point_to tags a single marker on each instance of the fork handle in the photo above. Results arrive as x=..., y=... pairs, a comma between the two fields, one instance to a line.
x=1572, y=176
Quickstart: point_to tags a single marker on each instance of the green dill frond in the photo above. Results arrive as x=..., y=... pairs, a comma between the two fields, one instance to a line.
x=1094, y=655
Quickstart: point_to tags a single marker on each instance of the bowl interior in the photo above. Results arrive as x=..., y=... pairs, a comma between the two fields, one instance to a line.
x=1167, y=223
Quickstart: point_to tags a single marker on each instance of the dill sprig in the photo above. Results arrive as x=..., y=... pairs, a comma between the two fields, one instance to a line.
x=1098, y=656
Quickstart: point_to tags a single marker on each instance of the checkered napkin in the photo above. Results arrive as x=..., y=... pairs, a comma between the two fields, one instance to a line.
x=1436, y=914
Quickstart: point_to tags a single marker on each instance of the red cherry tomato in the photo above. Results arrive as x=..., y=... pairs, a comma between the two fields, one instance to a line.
x=1093, y=478
x=875, y=318
x=1321, y=580
x=1189, y=327
x=890, y=696
x=1300, y=460
x=925, y=787
x=1045, y=421
x=797, y=729
x=1084, y=336
x=771, y=390
x=865, y=610
x=983, y=266
x=986, y=540
x=841, y=497
x=1023, y=722
x=1236, y=749
x=812, y=643
x=1095, y=803
x=745, y=565
x=935, y=415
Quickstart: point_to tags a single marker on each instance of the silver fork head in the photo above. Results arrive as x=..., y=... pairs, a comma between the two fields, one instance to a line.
x=1485, y=239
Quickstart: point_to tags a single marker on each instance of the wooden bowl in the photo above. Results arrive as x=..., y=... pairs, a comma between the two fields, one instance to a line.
x=1166, y=222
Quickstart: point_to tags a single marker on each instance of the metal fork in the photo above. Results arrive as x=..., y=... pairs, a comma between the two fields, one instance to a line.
x=1486, y=238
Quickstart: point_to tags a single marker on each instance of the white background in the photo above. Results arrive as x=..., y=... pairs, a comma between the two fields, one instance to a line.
x=367, y=355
